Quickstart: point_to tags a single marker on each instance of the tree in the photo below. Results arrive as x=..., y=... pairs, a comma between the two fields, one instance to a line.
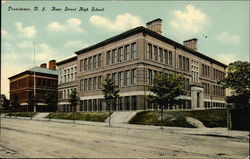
x=50, y=99
x=31, y=102
x=238, y=80
x=15, y=104
x=110, y=92
x=74, y=101
x=166, y=88
x=6, y=103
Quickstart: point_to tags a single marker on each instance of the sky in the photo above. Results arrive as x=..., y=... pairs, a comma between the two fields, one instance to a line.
x=222, y=28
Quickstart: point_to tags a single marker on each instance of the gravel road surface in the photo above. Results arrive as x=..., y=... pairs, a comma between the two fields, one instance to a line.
x=46, y=139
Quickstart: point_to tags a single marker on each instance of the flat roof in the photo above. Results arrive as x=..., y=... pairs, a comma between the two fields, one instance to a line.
x=66, y=60
x=151, y=33
x=37, y=69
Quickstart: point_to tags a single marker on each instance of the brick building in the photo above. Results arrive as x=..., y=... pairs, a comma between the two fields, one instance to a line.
x=66, y=82
x=134, y=57
x=22, y=85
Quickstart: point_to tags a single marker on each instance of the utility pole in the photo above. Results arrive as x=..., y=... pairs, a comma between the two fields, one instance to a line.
x=34, y=78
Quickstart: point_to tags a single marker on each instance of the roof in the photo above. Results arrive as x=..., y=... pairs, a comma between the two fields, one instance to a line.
x=158, y=19
x=43, y=70
x=37, y=70
x=146, y=31
x=66, y=60
x=191, y=39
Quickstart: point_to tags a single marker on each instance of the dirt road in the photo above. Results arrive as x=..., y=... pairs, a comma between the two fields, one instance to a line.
x=29, y=138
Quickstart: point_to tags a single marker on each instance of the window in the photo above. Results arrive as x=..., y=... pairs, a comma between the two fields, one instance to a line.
x=99, y=60
x=133, y=51
x=195, y=71
x=94, y=83
x=85, y=64
x=126, y=77
x=170, y=58
x=120, y=103
x=99, y=83
x=187, y=64
x=108, y=58
x=85, y=85
x=133, y=77
x=94, y=61
x=120, y=80
x=89, y=63
x=150, y=51
x=81, y=65
x=166, y=56
x=113, y=56
x=126, y=52
x=133, y=103
x=127, y=103
x=180, y=61
x=81, y=85
x=150, y=77
x=114, y=78
x=94, y=105
x=90, y=84
x=120, y=54
x=155, y=53
x=161, y=55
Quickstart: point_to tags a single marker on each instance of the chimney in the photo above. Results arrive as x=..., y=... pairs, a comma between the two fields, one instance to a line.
x=155, y=25
x=192, y=43
x=43, y=65
x=52, y=64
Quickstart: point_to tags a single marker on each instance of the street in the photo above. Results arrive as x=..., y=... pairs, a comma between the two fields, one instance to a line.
x=44, y=139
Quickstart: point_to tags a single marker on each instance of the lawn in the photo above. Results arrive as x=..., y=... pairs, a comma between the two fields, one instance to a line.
x=210, y=118
x=88, y=116
x=22, y=114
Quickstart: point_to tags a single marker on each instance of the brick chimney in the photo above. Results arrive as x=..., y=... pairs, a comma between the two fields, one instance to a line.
x=43, y=65
x=155, y=25
x=52, y=64
x=192, y=43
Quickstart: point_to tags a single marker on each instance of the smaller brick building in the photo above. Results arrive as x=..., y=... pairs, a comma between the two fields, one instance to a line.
x=22, y=86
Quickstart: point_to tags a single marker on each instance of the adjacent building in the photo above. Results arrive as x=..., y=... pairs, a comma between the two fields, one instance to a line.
x=134, y=57
x=36, y=80
x=67, y=72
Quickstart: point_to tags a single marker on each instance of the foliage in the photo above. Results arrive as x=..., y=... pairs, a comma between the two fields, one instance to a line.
x=210, y=118
x=50, y=99
x=6, y=103
x=88, y=116
x=110, y=91
x=31, y=102
x=166, y=88
x=238, y=78
x=73, y=100
x=15, y=104
x=23, y=114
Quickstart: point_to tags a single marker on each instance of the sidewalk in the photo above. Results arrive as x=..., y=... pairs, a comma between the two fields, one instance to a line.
x=215, y=132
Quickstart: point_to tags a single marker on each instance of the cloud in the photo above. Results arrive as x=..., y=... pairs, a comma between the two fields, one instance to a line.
x=55, y=26
x=228, y=38
x=25, y=45
x=4, y=33
x=71, y=25
x=4, y=1
x=26, y=32
x=75, y=45
x=189, y=21
x=226, y=58
x=122, y=22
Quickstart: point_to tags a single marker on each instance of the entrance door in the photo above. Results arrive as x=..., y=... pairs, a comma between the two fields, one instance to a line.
x=198, y=99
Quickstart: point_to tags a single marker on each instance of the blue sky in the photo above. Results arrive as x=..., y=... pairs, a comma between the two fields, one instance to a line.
x=58, y=34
